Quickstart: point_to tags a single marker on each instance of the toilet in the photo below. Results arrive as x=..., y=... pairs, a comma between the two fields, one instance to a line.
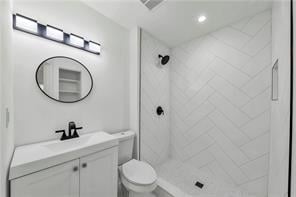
x=136, y=176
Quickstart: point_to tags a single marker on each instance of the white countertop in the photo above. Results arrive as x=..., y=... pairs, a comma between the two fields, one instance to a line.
x=34, y=157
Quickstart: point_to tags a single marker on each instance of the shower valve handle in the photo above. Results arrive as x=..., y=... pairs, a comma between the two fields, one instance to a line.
x=159, y=111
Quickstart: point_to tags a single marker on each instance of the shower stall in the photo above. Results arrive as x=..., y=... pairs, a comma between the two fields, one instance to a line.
x=217, y=133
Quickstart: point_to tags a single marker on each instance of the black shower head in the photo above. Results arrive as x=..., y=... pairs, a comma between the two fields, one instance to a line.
x=164, y=59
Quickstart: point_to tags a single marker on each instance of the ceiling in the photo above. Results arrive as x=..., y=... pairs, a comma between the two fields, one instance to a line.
x=175, y=21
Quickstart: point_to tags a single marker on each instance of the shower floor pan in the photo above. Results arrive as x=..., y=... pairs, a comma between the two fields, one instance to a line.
x=176, y=179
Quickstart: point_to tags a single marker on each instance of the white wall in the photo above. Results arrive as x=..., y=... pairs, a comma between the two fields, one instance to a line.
x=293, y=192
x=280, y=110
x=220, y=103
x=1, y=107
x=106, y=108
x=6, y=83
x=155, y=134
x=134, y=84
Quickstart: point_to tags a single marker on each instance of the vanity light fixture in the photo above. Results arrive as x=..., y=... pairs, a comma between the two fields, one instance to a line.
x=95, y=47
x=54, y=33
x=31, y=26
x=76, y=40
x=26, y=24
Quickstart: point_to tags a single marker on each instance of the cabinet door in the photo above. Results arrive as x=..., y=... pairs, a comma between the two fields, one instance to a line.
x=98, y=174
x=58, y=181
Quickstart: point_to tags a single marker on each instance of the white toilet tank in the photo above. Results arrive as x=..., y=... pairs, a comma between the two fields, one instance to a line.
x=126, y=143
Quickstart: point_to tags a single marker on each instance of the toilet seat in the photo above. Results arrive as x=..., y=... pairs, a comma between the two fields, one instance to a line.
x=139, y=172
x=138, y=176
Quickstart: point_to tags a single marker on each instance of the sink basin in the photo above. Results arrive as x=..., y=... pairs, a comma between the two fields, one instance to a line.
x=33, y=157
x=66, y=145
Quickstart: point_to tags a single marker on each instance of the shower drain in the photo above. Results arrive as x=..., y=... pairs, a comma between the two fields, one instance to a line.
x=199, y=184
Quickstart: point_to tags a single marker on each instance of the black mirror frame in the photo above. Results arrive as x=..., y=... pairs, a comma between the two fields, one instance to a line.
x=36, y=78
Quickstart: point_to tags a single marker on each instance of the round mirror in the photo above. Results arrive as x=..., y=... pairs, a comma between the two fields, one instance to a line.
x=64, y=79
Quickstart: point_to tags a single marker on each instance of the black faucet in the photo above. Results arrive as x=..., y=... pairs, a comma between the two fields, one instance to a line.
x=74, y=134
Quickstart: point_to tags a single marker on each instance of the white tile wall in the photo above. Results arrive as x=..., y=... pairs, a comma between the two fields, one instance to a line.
x=257, y=186
x=228, y=147
x=258, y=84
x=257, y=147
x=229, y=73
x=257, y=168
x=234, y=95
x=216, y=97
x=255, y=23
x=229, y=129
x=259, y=41
x=280, y=110
x=257, y=126
x=155, y=135
x=258, y=62
x=229, y=110
x=259, y=104
x=220, y=101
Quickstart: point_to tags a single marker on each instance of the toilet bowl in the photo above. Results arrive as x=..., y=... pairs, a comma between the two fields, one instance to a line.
x=136, y=176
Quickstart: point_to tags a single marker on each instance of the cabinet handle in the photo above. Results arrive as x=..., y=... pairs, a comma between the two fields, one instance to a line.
x=84, y=165
x=75, y=169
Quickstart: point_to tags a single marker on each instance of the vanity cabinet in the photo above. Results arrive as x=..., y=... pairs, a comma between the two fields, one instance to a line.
x=58, y=181
x=98, y=175
x=94, y=175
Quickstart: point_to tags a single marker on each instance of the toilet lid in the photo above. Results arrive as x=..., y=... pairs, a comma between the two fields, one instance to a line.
x=139, y=172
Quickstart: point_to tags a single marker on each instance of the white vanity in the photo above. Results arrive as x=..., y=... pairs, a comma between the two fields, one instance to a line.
x=80, y=167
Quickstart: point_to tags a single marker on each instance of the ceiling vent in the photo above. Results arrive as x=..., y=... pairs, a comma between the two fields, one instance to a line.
x=150, y=4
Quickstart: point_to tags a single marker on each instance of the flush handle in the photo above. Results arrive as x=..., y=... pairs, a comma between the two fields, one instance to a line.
x=84, y=165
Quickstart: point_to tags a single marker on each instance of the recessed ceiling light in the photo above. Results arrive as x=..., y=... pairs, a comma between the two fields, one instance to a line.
x=202, y=18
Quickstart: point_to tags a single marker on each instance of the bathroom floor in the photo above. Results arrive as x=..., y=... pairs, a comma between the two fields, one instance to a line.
x=179, y=178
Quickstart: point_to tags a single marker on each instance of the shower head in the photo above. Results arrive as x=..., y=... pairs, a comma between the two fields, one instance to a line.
x=164, y=59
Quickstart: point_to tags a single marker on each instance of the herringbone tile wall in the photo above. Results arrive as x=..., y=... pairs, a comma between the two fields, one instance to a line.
x=155, y=133
x=220, y=103
x=216, y=97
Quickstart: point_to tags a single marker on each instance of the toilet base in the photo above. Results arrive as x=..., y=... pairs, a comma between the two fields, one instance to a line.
x=137, y=188
x=123, y=192
x=134, y=194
